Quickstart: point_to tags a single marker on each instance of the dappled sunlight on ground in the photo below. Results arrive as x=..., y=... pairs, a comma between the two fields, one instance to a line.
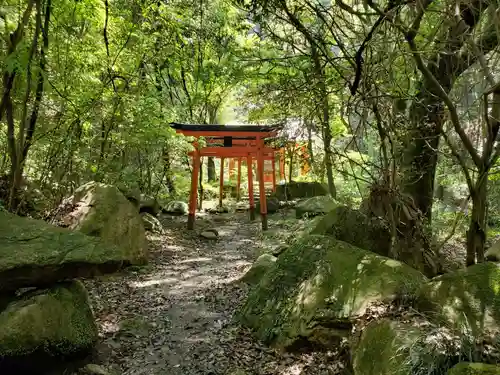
x=175, y=316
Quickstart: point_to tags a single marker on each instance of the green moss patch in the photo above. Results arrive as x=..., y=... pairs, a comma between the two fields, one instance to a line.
x=56, y=321
x=261, y=266
x=354, y=227
x=320, y=282
x=474, y=369
x=467, y=299
x=103, y=211
x=33, y=253
x=314, y=206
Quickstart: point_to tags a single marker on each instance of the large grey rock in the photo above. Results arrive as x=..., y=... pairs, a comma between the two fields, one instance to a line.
x=315, y=206
x=151, y=223
x=259, y=268
x=354, y=227
x=294, y=190
x=272, y=204
x=132, y=195
x=177, y=208
x=101, y=210
x=53, y=322
x=467, y=299
x=492, y=254
x=150, y=205
x=318, y=286
x=34, y=253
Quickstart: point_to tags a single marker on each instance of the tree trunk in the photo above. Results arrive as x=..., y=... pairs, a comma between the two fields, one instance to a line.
x=167, y=169
x=327, y=139
x=211, y=177
x=25, y=138
x=310, y=145
x=420, y=156
x=325, y=123
x=476, y=235
x=320, y=81
x=200, y=186
x=419, y=160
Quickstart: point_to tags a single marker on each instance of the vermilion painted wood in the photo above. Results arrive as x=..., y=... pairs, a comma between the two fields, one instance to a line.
x=194, y=190
x=245, y=144
x=250, y=187
x=274, y=175
x=235, y=152
x=238, y=182
x=221, y=182
x=262, y=189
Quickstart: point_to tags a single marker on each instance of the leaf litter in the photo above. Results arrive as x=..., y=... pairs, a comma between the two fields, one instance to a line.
x=175, y=316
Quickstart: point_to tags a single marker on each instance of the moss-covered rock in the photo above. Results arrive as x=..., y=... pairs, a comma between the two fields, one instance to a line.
x=294, y=190
x=35, y=253
x=352, y=226
x=133, y=195
x=53, y=322
x=318, y=285
x=149, y=205
x=388, y=347
x=467, y=299
x=474, y=369
x=272, y=205
x=315, y=206
x=259, y=268
x=151, y=223
x=177, y=208
x=102, y=211
x=383, y=349
x=493, y=252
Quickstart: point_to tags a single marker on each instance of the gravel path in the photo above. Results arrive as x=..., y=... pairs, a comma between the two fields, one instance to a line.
x=175, y=316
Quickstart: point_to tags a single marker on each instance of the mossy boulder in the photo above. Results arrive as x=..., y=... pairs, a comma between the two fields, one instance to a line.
x=493, y=252
x=354, y=227
x=383, y=349
x=177, y=208
x=133, y=195
x=315, y=206
x=295, y=190
x=54, y=322
x=318, y=286
x=35, y=253
x=390, y=347
x=474, y=369
x=151, y=223
x=102, y=211
x=272, y=204
x=149, y=205
x=467, y=299
x=259, y=268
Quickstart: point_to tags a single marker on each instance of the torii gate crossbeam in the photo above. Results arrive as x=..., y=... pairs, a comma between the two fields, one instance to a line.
x=231, y=141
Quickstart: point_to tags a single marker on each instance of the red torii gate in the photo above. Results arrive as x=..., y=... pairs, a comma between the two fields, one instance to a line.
x=231, y=141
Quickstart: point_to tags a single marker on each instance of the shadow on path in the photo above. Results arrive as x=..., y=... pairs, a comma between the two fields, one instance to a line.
x=175, y=315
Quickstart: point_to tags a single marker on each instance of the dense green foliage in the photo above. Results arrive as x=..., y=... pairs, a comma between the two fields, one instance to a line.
x=392, y=101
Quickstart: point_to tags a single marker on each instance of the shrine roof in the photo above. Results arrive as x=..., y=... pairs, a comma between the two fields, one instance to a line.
x=226, y=128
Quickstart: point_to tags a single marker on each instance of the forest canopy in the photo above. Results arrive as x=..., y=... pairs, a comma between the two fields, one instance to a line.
x=399, y=101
